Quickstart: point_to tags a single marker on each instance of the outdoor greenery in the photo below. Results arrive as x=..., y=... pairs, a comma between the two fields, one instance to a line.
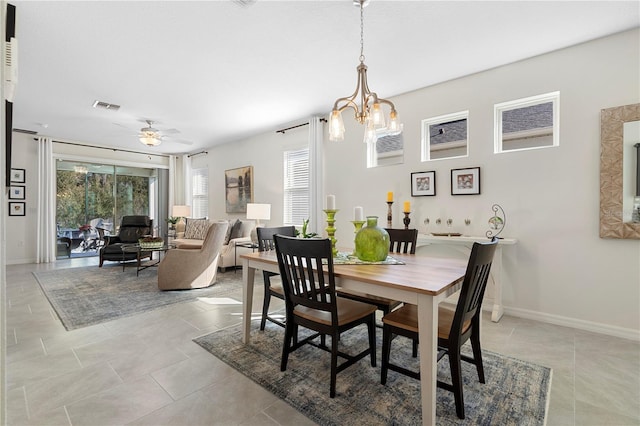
x=82, y=197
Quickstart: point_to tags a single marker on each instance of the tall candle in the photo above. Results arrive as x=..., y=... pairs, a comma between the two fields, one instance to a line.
x=331, y=202
x=407, y=207
x=358, y=214
x=389, y=197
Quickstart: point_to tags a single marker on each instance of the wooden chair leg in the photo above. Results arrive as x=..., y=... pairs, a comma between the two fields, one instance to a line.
x=288, y=334
x=334, y=364
x=414, y=349
x=265, y=309
x=386, y=350
x=477, y=357
x=372, y=338
x=456, y=380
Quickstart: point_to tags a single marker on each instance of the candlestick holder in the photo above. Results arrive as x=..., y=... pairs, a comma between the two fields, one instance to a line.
x=358, y=225
x=406, y=220
x=389, y=215
x=331, y=230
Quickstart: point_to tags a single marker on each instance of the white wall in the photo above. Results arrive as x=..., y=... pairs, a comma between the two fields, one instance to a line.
x=560, y=270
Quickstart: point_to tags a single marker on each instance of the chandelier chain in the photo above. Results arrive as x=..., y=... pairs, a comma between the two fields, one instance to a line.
x=361, y=31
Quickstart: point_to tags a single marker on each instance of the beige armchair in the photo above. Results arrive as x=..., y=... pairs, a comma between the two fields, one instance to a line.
x=193, y=268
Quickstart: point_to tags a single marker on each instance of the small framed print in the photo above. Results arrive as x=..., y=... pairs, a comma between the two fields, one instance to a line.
x=16, y=192
x=18, y=176
x=423, y=184
x=16, y=208
x=465, y=181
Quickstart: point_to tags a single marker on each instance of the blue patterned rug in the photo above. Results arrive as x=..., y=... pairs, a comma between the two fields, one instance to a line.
x=516, y=392
x=92, y=295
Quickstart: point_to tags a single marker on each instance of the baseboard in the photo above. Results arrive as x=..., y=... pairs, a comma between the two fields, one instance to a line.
x=19, y=261
x=610, y=330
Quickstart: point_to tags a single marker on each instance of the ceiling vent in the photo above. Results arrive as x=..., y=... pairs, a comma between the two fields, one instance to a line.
x=106, y=105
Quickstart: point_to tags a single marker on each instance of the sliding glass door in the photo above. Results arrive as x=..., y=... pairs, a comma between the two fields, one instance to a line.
x=92, y=198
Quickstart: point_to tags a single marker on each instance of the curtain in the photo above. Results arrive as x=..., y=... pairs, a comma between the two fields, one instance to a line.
x=186, y=178
x=172, y=182
x=316, y=161
x=46, y=206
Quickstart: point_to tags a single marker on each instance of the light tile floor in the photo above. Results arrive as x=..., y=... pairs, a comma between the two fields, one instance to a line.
x=145, y=369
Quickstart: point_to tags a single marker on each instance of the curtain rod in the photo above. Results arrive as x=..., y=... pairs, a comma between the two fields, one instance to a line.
x=323, y=120
x=197, y=153
x=109, y=149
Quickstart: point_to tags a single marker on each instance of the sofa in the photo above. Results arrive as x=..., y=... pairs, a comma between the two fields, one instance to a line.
x=190, y=235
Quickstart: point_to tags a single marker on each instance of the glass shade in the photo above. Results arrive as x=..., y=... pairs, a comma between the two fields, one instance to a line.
x=377, y=116
x=336, y=126
x=394, y=126
x=150, y=140
x=370, y=134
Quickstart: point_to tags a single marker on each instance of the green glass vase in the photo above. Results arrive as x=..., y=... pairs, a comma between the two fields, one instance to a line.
x=372, y=242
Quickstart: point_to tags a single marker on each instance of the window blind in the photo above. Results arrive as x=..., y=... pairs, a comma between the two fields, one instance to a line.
x=296, y=186
x=200, y=192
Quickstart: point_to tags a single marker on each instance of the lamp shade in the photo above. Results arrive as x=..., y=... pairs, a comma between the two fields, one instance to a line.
x=259, y=211
x=181, y=211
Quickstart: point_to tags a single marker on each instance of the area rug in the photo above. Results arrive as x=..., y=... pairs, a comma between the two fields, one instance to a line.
x=92, y=295
x=515, y=392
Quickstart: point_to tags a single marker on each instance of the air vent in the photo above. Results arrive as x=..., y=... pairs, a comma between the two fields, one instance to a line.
x=28, y=132
x=106, y=105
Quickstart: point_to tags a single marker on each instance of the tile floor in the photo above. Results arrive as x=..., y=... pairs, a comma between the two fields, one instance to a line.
x=145, y=370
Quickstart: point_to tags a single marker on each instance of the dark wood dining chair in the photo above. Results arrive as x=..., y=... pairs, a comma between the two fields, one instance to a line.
x=454, y=327
x=265, y=243
x=401, y=241
x=306, y=268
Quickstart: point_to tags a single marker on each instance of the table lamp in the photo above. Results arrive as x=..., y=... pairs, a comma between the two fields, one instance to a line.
x=181, y=212
x=258, y=212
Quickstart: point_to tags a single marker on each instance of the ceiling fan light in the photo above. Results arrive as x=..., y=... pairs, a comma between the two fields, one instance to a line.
x=150, y=140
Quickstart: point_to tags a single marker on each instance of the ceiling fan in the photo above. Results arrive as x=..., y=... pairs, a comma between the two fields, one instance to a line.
x=151, y=136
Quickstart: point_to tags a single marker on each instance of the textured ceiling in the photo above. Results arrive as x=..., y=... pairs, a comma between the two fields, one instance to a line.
x=219, y=71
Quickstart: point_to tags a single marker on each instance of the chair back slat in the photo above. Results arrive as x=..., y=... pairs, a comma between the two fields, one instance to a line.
x=265, y=236
x=304, y=281
x=473, y=286
x=402, y=240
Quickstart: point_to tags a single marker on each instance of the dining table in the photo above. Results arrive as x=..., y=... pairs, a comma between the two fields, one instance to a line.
x=424, y=281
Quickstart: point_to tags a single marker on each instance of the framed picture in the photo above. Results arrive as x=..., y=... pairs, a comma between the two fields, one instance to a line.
x=16, y=208
x=238, y=185
x=423, y=184
x=17, y=176
x=16, y=192
x=465, y=181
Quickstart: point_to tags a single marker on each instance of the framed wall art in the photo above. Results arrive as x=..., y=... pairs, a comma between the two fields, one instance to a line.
x=16, y=208
x=238, y=186
x=16, y=192
x=465, y=181
x=18, y=176
x=423, y=184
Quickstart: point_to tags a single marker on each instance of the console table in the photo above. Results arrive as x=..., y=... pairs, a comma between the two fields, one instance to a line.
x=465, y=243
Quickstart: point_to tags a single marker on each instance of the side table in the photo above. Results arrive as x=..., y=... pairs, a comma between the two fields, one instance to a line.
x=253, y=246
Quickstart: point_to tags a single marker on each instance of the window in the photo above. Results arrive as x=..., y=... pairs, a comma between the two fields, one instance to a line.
x=445, y=136
x=527, y=123
x=296, y=186
x=387, y=150
x=200, y=192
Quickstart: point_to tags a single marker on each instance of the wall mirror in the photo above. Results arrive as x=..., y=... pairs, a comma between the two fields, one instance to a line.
x=616, y=168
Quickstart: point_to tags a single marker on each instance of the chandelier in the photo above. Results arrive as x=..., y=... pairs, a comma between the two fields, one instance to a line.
x=369, y=110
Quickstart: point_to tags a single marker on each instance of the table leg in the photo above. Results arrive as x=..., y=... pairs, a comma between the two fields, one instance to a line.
x=248, y=275
x=428, y=332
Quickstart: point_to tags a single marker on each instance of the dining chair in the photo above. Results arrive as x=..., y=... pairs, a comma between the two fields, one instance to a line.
x=306, y=268
x=454, y=327
x=401, y=241
x=265, y=243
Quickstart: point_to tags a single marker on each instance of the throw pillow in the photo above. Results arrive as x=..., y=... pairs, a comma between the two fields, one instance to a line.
x=196, y=229
x=236, y=230
x=227, y=236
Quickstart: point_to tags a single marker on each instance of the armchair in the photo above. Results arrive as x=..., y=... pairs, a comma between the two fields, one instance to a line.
x=131, y=228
